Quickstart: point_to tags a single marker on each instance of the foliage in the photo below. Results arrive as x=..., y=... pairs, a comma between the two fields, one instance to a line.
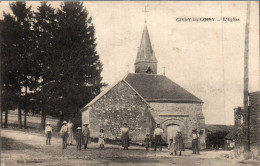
x=78, y=66
x=55, y=68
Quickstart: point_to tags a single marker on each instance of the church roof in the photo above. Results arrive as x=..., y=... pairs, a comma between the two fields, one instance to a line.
x=159, y=88
x=145, y=51
x=105, y=91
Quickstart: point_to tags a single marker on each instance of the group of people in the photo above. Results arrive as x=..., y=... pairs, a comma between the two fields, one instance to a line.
x=82, y=138
x=82, y=135
x=174, y=146
x=176, y=143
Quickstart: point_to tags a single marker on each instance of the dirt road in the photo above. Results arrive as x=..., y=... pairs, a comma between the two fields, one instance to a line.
x=23, y=148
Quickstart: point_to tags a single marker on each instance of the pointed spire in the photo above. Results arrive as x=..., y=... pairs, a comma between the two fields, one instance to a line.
x=145, y=51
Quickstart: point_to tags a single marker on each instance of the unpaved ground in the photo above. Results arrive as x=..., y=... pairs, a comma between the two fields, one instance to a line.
x=23, y=148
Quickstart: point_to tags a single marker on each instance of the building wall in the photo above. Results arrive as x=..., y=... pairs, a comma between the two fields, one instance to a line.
x=120, y=104
x=254, y=113
x=187, y=116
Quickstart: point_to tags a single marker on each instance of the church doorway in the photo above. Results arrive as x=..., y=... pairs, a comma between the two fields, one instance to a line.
x=171, y=131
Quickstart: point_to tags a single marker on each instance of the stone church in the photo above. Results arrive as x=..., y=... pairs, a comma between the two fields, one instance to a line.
x=144, y=99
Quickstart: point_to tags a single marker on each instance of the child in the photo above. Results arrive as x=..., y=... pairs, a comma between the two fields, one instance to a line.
x=171, y=147
x=48, y=131
x=101, y=138
x=79, y=138
x=146, y=142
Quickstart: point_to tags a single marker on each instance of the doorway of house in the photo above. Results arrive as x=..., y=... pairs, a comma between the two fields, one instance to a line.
x=171, y=131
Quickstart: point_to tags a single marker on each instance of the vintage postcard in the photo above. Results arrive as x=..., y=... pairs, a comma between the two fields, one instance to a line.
x=130, y=83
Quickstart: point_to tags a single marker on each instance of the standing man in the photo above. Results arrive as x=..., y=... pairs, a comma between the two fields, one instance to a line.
x=64, y=134
x=86, y=134
x=70, y=132
x=48, y=131
x=158, y=137
x=195, y=141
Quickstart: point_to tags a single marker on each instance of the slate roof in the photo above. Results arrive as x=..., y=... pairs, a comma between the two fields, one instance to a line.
x=231, y=135
x=214, y=128
x=159, y=88
x=145, y=51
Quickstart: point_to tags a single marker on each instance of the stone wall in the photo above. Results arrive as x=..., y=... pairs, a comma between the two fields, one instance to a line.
x=254, y=117
x=187, y=116
x=120, y=104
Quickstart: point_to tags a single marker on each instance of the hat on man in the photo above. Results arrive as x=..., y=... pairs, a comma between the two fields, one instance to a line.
x=195, y=130
x=179, y=131
x=64, y=122
x=48, y=123
x=85, y=124
x=79, y=128
x=124, y=123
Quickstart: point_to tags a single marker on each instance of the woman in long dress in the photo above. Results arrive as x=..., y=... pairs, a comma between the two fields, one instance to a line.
x=125, y=136
x=70, y=132
x=179, y=146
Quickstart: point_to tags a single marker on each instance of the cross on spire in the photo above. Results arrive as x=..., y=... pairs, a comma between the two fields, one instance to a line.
x=164, y=70
x=145, y=11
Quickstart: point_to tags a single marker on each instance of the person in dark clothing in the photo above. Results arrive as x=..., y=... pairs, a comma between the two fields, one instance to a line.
x=79, y=138
x=125, y=136
x=179, y=142
x=147, y=142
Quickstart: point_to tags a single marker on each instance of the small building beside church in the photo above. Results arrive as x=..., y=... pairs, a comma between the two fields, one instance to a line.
x=144, y=99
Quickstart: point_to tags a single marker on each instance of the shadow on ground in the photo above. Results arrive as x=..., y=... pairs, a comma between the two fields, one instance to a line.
x=10, y=144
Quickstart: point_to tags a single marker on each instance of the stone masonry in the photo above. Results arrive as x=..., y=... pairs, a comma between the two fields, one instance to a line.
x=120, y=104
x=254, y=119
x=187, y=116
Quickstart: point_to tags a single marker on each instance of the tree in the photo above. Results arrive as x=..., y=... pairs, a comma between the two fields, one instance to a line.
x=77, y=67
x=45, y=26
x=17, y=46
x=9, y=87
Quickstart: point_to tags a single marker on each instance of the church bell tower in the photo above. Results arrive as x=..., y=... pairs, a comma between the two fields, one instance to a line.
x=146, y=61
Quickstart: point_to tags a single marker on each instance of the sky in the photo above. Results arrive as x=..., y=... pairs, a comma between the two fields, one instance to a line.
x=205, y=58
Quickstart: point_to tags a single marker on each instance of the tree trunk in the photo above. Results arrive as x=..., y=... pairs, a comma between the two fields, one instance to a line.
x=33, y=111
x=2, y=124
x=43, y=119
x=25, y=121
x=19, y=117
x=6, y=119
x=26, y=105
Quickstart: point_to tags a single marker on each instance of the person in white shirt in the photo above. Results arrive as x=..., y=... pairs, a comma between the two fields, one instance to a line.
x=64, y=134
x=101, y=139
x=48, y=131
x=195, y=141
x=158, y=137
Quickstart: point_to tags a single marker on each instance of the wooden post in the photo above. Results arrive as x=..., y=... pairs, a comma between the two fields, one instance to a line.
x=246, y=57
